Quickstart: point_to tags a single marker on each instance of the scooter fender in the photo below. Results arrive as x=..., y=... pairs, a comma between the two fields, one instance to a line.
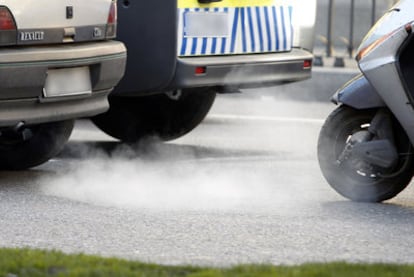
x=359, y=94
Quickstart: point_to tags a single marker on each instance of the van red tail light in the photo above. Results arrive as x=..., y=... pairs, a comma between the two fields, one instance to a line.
x=112, y=21
x=200, y=70
x=8, y=28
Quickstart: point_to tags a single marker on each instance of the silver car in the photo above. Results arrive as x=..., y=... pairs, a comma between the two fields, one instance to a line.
x=58, y=62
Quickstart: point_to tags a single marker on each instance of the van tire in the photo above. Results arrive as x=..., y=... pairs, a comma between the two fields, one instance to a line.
x=131, y=119
x=46, y=141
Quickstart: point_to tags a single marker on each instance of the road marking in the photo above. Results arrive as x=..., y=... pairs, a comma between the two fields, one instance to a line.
x=267, y=118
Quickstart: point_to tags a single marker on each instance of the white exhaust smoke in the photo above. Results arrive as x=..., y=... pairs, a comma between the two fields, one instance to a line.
x=231, y=162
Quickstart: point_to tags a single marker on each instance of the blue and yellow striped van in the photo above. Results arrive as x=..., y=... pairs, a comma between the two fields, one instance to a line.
x=228, y=44
x=181, y=53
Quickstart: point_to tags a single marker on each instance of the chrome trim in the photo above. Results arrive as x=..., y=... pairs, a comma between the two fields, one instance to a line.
x=28, y=54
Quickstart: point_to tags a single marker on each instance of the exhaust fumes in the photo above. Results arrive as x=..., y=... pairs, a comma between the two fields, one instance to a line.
x=238, y=160
x=170, y=179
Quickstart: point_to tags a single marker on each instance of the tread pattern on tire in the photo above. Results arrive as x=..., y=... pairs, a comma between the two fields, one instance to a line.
x=131, y=119
x=347, y=183
x=47, y=141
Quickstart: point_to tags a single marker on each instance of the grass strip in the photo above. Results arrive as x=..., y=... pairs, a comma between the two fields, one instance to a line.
x=26, y=262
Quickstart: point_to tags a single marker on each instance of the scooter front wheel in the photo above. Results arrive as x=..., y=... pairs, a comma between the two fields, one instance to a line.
x=354, y=178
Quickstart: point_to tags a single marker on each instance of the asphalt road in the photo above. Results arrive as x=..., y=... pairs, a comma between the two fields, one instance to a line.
x=244, y=187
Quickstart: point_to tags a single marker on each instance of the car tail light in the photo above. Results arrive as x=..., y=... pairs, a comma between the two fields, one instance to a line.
x=8, y=28
x=307, y=64
x=112, y=21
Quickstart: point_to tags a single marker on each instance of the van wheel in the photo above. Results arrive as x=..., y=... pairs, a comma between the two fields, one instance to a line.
x=166, y=116
x=33, y=145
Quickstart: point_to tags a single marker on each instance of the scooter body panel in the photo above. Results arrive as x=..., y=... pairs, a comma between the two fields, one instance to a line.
x=359, y=94
x=393, y=92
x=381, y=82
x=381, y=68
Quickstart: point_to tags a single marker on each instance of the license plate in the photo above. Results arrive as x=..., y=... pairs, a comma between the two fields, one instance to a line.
x=206, y=24
x=67, y=82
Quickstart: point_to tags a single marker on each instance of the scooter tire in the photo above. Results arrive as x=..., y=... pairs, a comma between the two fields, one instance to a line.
x=345, y=177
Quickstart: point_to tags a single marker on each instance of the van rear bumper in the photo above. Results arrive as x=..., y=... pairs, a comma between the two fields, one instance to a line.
x=243, y=71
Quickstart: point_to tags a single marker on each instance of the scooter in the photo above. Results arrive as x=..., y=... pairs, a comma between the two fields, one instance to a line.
x=365, y=147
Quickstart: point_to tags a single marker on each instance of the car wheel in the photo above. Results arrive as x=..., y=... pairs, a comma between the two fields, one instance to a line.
x=167, y=117
x=33, y=145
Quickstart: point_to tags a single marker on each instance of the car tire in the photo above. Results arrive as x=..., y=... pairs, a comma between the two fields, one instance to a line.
x=43, y=142
x=131, y=119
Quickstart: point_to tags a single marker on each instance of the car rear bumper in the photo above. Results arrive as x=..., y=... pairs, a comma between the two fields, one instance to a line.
x=23, y=72
x=31, y=111
x=243, y=71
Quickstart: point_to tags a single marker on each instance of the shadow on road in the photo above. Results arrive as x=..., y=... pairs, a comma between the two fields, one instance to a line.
x=22, y=180
x=381, y=213
x=155, y=150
